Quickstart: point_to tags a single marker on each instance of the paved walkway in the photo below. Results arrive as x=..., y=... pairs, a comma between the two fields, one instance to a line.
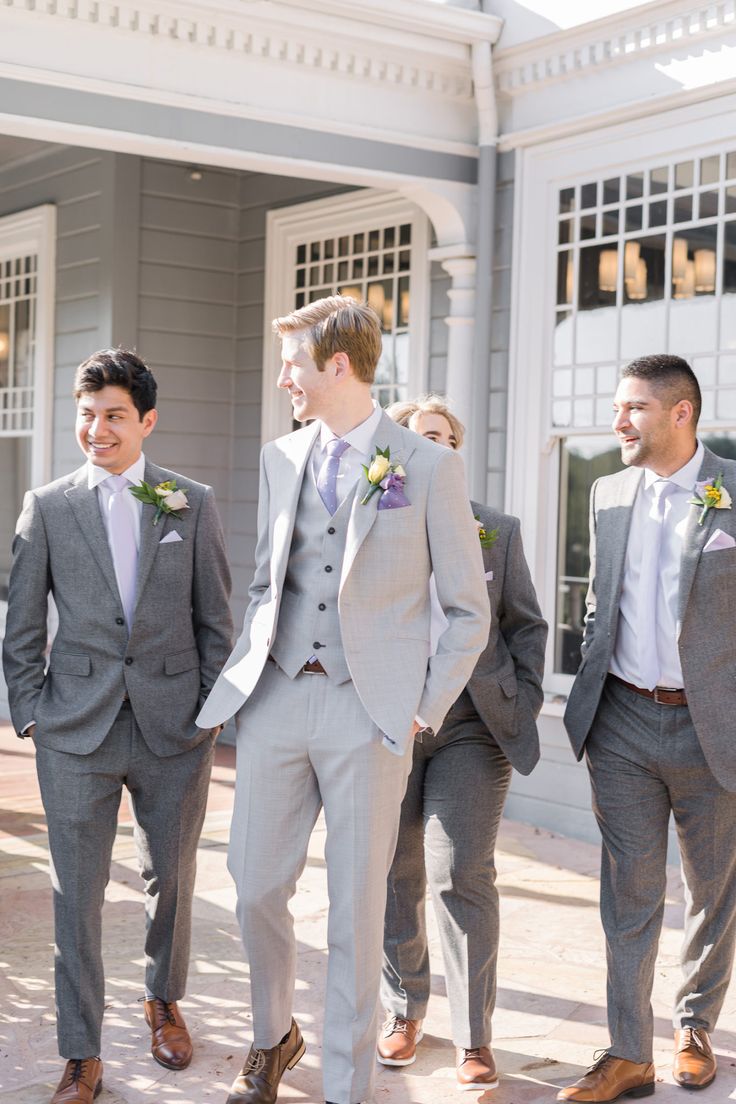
x=550, y=1015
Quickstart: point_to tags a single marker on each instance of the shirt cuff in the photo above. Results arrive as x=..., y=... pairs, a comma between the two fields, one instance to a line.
x=24, y=731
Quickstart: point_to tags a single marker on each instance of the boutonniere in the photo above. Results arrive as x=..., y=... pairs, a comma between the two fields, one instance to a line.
x=386, y=477
x=710, y=494
x=487, y=540
x=166, y=498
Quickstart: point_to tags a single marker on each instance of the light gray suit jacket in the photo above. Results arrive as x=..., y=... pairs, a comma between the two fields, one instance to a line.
x=506, y=685
x=181, y=632
x=383, y=603
x=707, y=600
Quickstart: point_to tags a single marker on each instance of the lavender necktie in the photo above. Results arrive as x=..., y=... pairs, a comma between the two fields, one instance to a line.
x=649, y=586
x=122, y=543
x=327, y=476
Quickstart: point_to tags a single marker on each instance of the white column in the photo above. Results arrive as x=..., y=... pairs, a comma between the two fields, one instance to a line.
x=461, y=325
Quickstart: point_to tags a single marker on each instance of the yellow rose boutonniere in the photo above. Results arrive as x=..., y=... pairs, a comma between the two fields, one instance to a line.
x=710, y=495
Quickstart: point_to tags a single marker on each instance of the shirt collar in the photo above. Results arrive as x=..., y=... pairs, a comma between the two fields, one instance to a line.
x=360, y=438
x=134, y=473
x=686, y=477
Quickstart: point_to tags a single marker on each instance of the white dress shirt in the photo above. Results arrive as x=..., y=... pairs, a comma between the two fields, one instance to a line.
x=360, y=440
x=96, y=478
x=624, y=661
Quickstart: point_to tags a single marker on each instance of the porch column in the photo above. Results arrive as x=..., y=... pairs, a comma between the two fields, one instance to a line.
x=460, y=265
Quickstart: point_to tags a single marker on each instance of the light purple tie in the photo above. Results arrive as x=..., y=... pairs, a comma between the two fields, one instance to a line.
x=327, y=476
x=122, y=543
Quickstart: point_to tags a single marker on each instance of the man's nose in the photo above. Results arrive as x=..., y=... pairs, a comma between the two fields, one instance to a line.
x=284, y=379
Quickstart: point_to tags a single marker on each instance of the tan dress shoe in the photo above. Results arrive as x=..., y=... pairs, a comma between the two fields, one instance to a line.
x=258, y=1081
x=397, y=1045
x=695, y=1063
x=610, y=1078
x=476, y=1069
x=81, y=1083
x=171, y=1043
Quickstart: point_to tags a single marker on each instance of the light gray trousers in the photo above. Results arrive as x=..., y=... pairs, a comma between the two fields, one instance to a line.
x=81, y=797
x=447, y=837
x=304, y=744
x=645, y=762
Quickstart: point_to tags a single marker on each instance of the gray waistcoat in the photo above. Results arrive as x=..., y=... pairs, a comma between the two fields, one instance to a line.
x=318, y=544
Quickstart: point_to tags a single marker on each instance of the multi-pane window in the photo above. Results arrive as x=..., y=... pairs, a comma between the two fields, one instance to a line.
x=645, y=263
x=374, y=265
x=17, y=308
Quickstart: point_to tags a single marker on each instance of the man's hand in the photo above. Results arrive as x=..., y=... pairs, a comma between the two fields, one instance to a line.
x=416, y=727
x=29, y=732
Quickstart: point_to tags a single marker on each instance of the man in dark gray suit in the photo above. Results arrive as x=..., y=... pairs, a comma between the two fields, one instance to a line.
x=652, y=707
x=141, y=585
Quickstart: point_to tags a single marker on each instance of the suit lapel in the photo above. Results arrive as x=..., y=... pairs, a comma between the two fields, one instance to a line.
x=611, y=535
x=85, y=506
x=696, y=536
x=294, y=454
x=362, y=517
x=150, y=534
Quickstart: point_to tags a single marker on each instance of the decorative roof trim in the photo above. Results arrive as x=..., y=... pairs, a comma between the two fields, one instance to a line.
x=665, y=24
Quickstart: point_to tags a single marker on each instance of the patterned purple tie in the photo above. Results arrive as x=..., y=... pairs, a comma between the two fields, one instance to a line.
x=122, y=543
x=327, y=476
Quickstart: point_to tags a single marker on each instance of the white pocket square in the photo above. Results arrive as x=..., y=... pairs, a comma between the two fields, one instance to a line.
x=171, y=537
x=488, y=576
x=719, y=540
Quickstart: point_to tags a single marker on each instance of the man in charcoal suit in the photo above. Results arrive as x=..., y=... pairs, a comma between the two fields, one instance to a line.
x=142, y=593
x=330, y=680
x=652, y=708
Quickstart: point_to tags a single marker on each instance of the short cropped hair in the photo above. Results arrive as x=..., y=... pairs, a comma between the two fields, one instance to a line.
x=671, y=377
x=338, y=324
x=403, y=412
x=117, y=368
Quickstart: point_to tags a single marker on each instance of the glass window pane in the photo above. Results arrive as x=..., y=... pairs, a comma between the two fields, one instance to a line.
x=587, y=227
x=582, y=461
x=374, y=240
x=609, y=222
x=567, y=200
x=635, y=185
x=405, y=234
x=562, y=353
x=708, y=205
x=314, y=251
x=404, y=302
x=588, y=196
x=389, y=237
x=611, y=190
x=683, y=208
x=564, y=235
x=4, y=345
x=658, y=180
x=731, y=166
x=634, y=216
x=730, y=201
x=684, y=173
x=564, y=277
x=658, y=213
x=301, y=254
x=710, y=169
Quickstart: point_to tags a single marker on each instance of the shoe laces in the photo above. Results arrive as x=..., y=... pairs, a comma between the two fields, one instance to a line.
x=255, y=1061
x=396, y=1024
x=600, y=1057
x=469, y=1053
x=77, y=1071
x=690, y=1038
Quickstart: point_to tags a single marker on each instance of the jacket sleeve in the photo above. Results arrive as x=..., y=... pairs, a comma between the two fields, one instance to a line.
x=212, y=620
x=590, y=602
x=457, y=563
x=26, y=632
x=520, y=622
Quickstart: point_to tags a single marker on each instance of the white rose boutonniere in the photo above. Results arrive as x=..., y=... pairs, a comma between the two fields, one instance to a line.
x=167, y=498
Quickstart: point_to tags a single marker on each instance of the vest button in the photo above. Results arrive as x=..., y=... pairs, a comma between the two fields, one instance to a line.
x=322, y=606
x=316, y=644
x=328, y=568
x=128, y=661
x=119, y=620
x=331, y=530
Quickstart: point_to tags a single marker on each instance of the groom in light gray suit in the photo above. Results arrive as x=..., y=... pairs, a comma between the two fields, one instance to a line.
x=652, y=708
x=141, y=590
x=331, y=680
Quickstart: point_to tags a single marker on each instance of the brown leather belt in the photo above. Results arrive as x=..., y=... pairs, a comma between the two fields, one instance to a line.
x=311, y=667
x=662, y=695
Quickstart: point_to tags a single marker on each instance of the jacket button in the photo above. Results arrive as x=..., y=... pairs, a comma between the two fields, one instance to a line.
x=128, y=661
x=328, y=568
x=316, y=644
x=322, y=606
x=119, y=620
x=331, y=530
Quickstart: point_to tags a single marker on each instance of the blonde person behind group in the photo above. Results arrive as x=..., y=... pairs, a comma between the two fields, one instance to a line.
x=454, y=801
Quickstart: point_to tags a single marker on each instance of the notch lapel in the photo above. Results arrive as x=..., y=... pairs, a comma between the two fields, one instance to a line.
x=150, y=534
x=611, y=535
x=85, y=506
x=696, y=536
x=362, y=518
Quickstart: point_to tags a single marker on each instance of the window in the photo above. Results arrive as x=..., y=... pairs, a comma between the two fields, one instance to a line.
x=645, y=262
x=364, y=244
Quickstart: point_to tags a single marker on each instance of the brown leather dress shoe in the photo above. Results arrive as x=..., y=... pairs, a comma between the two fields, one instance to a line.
x=171, y=1043
x=81, y=1083
x=608, y=1079
x=258, y=1081
x=397, y=1045
x=476, y=1069
x=695, y=1063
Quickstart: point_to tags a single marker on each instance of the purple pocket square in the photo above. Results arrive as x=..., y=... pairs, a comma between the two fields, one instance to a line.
x=393, y=497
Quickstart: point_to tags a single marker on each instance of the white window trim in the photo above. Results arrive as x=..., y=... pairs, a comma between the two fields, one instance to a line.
x=34, y=231
x=532, y=457
x=286, y=227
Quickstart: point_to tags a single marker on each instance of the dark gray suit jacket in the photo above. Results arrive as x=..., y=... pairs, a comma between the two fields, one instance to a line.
x=707, y=601
x=180, y=637
x=506, y=685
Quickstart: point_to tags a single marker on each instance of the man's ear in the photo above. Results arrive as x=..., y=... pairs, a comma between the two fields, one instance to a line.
x=149, y=420
x=342, y=365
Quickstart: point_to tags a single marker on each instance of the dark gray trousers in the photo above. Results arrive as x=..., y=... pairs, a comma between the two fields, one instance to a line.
x=645, y=762
x=81, y=797
x=447, y=837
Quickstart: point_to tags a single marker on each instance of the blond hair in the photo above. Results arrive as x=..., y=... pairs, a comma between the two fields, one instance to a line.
x=403, y=412
x=337, y=324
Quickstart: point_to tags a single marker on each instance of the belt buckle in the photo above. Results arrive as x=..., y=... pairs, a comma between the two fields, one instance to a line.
x=666, y=690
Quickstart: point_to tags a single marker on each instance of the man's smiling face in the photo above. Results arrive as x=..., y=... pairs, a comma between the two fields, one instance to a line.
x=109, y=429
x=310, y=390
x=644, y=426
